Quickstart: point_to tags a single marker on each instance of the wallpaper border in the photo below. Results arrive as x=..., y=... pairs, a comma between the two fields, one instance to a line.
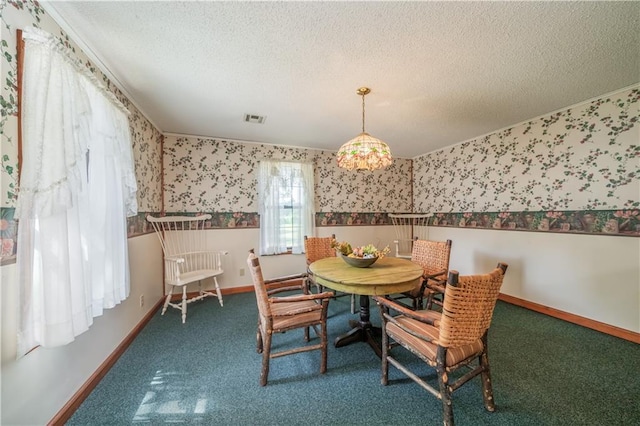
x=620, y=223
x=623, y=222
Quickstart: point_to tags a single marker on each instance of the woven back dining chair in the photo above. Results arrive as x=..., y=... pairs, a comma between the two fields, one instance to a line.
x=434, y=257
x=316, y=248
x=447, y=341
x=285, y=313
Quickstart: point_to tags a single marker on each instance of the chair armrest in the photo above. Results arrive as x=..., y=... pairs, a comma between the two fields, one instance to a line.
x=200, y=252
x=285, y=278
x=441, y=282
x=302, y=297
x=386, y=304
x=435, y=285
x=174, y=259
x=172, y=268
x=416, y=315
x=277, y=290
x=186, y=262
x=420, y=336
x=435, y=276
x=279, y=285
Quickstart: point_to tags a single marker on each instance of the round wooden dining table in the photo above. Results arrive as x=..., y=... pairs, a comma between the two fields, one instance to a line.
x=389, y=275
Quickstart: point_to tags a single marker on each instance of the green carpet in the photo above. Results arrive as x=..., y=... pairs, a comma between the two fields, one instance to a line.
x=545, y=372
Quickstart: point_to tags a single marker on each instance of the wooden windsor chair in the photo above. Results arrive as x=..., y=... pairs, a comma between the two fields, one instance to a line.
x=409, y=227
x=187, y=258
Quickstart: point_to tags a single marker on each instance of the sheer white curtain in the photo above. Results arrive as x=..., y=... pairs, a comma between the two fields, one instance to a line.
x=112, y=196
x=72, y=253
x=286, y=205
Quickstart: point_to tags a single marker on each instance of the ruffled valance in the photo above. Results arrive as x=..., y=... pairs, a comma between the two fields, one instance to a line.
x=57, y=120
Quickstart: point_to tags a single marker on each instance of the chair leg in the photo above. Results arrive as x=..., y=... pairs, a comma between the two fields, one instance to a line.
x=385, y=352
x=487, y=388
x=353, y=303
x=312, y=285
x=184, y=304
x=323, y=339
x=434, y=297
x=417, y=303
x=266, y=355
x=429, y=300
x=215, y=280
x=259, y=343
x=167, y=300
x=445, y=391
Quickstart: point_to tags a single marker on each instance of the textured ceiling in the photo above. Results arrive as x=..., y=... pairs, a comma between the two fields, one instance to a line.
x=440, y=72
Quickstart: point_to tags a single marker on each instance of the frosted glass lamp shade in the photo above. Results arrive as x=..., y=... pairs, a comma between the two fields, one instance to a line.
x=364, y=152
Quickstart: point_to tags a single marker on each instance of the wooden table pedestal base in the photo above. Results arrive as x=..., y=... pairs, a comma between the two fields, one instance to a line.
x=362, y=331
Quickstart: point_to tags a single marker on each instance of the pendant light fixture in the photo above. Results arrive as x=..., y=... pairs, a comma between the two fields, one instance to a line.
x=364, y=151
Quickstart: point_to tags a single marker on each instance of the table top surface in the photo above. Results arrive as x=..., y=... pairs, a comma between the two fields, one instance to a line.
x=387, y=276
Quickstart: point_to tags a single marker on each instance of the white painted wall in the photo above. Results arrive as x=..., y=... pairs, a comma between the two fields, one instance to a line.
x=239, y=241
x=593, y=276
x=36, y=386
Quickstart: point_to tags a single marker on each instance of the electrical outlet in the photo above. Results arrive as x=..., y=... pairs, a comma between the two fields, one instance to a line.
x=141, y=300
x=241, y=272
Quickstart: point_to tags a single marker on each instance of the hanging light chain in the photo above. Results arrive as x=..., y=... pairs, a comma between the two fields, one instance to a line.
x=363, y=111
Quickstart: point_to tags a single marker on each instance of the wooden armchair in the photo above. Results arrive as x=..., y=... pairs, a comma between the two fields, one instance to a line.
x=187, y=258
x=280, y=314
x=446, y=341
x=433, y=256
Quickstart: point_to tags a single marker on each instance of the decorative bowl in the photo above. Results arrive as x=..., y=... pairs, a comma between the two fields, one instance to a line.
x=359, y=262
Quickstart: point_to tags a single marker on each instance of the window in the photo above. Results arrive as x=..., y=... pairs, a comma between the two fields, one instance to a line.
x=286, y=205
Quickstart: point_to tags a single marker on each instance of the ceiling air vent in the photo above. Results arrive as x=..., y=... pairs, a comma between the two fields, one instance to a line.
x=251, y=118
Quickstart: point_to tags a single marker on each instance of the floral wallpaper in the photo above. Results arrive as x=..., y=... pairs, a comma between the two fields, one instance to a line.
x=214, y=175
x=577, y=170
x=572, y=171
x=583, y=158
x=147, y=140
